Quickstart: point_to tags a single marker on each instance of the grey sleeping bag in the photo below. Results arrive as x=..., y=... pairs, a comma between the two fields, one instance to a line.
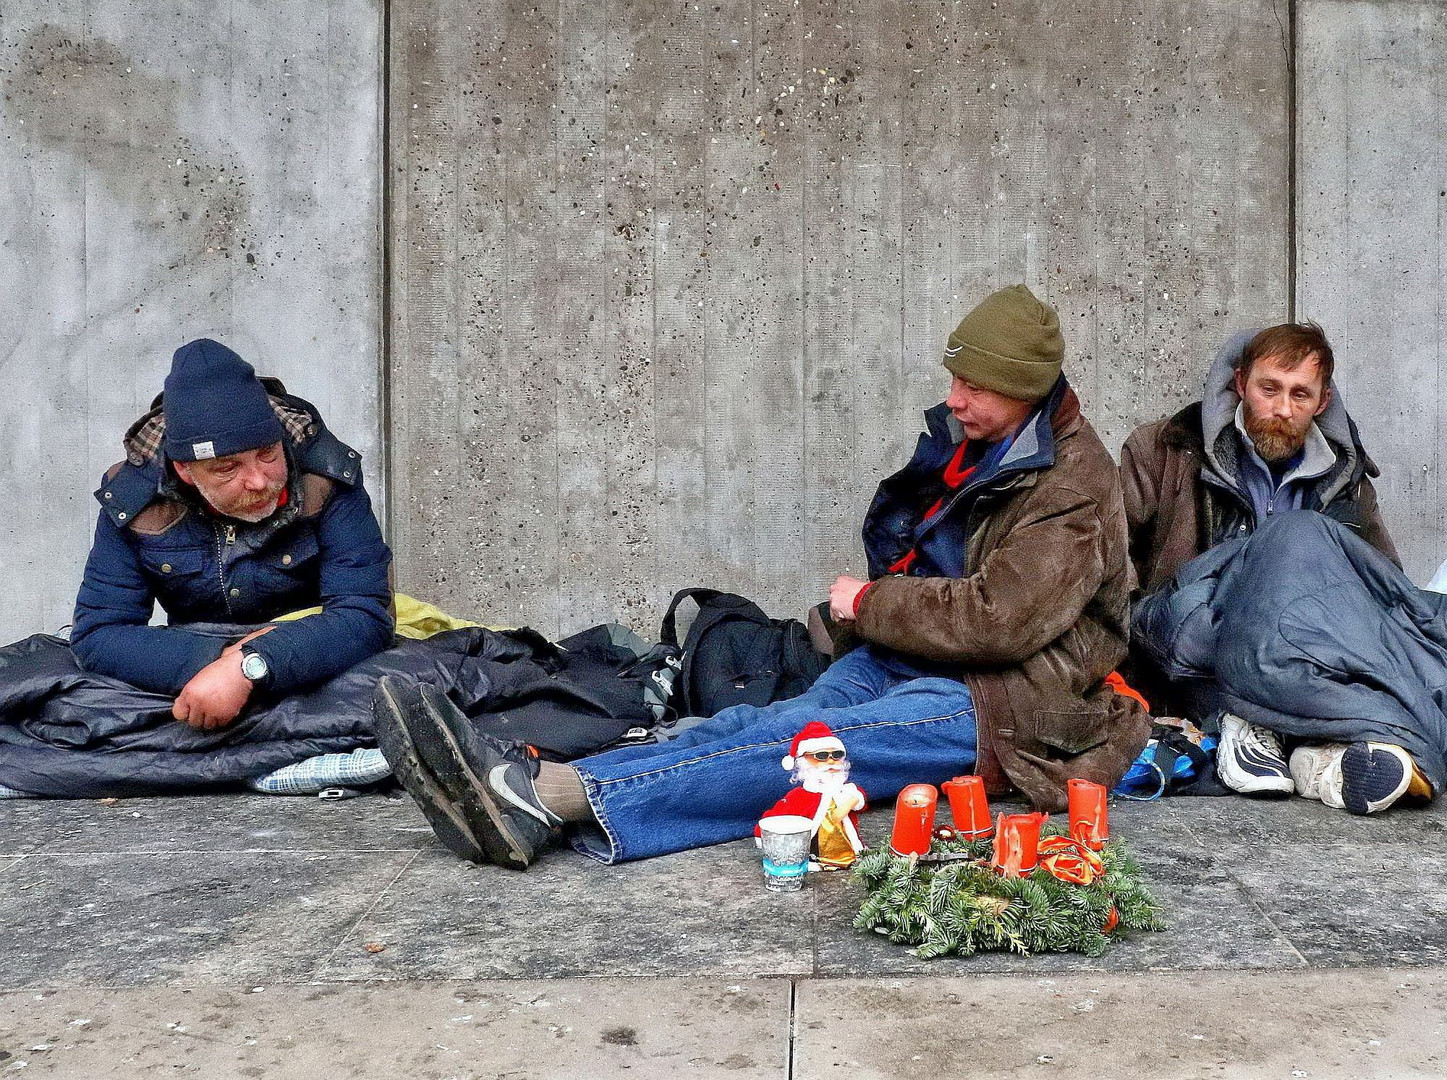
x=1306, y=629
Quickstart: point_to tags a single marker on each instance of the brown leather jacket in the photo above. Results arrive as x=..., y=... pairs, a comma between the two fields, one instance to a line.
x=1038, y=620
x=1174, y=515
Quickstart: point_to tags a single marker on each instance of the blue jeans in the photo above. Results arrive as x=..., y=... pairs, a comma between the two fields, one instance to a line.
x=901, y=722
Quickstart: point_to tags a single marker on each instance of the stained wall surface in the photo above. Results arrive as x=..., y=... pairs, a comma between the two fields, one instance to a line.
x=1372, y=191
x=171, y=171
x=670, y=282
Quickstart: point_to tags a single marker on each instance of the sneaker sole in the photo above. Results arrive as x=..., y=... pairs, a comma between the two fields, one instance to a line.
x=401, y=753
x=1374, y=776
x=471, y=791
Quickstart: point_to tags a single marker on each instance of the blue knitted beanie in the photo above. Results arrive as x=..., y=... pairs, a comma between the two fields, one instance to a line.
x=215, y=405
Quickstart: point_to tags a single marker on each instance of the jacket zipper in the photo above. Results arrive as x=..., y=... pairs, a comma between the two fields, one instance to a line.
x=1241, y=501
x=230, y=539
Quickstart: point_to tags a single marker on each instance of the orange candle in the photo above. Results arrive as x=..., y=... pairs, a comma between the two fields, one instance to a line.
x=1017, y=839
x=969, y=808
x=1088, y=822
x=914, y=820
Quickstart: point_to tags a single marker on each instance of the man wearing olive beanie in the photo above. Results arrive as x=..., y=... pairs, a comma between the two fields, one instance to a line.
x=996, y=608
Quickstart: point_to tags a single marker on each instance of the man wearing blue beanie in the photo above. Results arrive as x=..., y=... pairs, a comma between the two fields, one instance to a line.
x=235, y=505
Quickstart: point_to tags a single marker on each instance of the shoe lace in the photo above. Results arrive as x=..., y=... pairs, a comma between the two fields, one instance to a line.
x=1261, y=739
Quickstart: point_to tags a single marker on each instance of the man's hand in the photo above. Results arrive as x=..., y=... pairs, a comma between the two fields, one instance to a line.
x=215, y=695
x=842, y=595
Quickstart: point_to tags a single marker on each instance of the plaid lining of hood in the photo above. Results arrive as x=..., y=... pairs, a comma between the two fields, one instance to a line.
x=148, y=434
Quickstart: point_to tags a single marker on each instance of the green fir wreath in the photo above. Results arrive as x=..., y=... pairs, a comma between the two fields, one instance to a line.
x=964, y=907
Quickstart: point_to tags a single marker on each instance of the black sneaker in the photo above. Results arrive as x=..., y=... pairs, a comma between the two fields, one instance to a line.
x=489, y=781
x=391, y=704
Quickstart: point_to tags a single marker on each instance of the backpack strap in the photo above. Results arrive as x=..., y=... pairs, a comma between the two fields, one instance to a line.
x=1171, y=745
x=668, y=632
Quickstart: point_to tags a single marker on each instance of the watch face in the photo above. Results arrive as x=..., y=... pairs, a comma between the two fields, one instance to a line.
x=253, y=667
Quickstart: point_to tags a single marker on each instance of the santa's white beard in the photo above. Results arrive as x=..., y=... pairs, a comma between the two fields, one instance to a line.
x=818, y=778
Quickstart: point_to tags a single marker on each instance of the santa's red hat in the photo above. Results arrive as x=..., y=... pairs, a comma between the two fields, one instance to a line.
x=815, y=736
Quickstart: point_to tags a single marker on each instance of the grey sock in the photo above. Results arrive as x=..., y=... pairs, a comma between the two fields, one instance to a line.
x=561, y=790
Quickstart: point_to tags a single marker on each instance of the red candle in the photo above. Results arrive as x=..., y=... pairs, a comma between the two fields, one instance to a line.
x=1088, y=822
x=969, y=808
x=1017, y=838
x=914, y=820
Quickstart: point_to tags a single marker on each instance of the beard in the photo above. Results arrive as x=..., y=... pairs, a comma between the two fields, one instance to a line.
x=255, y=509
x=1275, y=440
x=827, y=777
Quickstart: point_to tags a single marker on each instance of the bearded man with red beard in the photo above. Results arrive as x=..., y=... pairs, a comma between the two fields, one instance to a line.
x=1269, y=435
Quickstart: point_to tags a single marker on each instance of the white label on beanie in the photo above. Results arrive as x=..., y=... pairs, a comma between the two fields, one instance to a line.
x=203, y=451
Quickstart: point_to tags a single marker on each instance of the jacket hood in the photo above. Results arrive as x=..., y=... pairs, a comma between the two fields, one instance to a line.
x=1218, y=424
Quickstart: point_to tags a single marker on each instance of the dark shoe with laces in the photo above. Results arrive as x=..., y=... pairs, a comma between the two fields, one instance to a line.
x=489, y=781
x=392, y=705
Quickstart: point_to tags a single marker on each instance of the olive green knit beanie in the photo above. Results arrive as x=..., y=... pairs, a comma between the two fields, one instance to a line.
x=1010, y=343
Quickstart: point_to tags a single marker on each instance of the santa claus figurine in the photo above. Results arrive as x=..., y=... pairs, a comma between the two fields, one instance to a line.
x=819, y=765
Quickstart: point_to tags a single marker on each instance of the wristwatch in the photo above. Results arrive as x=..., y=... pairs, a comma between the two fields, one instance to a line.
x=253, y=666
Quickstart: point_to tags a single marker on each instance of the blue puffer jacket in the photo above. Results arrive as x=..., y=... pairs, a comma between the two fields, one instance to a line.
x=157, y=542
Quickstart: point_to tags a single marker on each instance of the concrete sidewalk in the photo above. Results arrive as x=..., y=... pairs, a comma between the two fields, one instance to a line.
x=1360, y=1023
x=252, y=936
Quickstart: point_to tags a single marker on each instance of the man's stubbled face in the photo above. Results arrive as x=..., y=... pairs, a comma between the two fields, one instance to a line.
x=245, y=486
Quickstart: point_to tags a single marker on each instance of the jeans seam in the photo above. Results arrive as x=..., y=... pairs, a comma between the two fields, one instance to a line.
x=775, y=742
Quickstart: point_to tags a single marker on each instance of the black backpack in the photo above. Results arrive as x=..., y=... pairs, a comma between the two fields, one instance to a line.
x=734, y=654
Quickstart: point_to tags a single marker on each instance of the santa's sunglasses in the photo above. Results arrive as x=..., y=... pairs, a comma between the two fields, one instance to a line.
x=822, y=756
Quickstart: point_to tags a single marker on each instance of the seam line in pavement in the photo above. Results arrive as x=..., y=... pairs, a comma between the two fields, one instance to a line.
x=793, y=1019
x=1256, y=907
x=1255, y=904
x=347, y=934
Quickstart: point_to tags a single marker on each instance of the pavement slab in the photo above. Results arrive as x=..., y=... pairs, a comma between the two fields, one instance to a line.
x=249, y=888
x=127, y=919
x=644, y=1029
x=1323, y=1025
x=702, y=912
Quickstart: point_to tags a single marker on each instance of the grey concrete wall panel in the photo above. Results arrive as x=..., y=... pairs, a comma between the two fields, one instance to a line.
x=172, y=171
x=672, y=282
x=1372, y=183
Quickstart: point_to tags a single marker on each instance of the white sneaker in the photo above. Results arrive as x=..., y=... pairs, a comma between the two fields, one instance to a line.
x=1249, y=759
x=1316, y=772
x=1362, y=778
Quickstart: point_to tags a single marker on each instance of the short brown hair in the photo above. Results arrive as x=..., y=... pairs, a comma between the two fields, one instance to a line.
x=1292, y=344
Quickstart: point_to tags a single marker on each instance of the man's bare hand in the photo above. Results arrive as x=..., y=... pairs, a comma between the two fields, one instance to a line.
x=841, y=597
x=215, y=695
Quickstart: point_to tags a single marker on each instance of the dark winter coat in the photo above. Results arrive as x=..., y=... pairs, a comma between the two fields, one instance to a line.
x=156, y=541
x=1022, y=586
x=1304, y=628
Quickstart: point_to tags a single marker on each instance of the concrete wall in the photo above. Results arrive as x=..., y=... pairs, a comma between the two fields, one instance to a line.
x=1372, y=190
x=671, y=282
x=171, y=171
x=669, y=286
